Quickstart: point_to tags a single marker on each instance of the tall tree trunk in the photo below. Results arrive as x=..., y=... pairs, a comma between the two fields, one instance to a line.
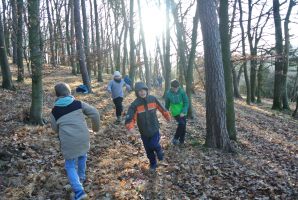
x=225, y=49
x=217, y=134
x=161, y=58
x=192, y=56
x=6, y=32
x=72, y=43
x=132, y=45
x=167, y=77
x=92, y=39
x=125, y=36
x=59, y=27
x=248, y=92
x=14, y=35
x=6, y=75
x=278, y=64
x=148, y=76
x=260, y=82
x=36, y=63
x=20, y=42
x=79, y=41
x=86, y=38
x=119, y=49
x=285, y=100
x=51, y=34
x=67, y=11
x=98, y=52
x=235, y=83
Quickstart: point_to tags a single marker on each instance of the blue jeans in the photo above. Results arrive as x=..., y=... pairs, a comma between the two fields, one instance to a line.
x=75, y=176
x=181, y=129
x=151, y=144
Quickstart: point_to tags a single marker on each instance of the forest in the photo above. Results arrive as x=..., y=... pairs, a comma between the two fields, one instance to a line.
x=236, y=60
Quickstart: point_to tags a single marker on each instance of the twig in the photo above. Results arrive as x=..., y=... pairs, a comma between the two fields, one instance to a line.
x=14, y=174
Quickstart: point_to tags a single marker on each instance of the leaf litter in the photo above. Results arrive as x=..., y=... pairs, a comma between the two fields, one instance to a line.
x=32, y=167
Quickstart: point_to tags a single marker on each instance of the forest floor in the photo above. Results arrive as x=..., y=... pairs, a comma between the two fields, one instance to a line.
x=32, y=167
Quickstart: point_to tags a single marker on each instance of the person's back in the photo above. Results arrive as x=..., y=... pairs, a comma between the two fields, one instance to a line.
x=127, y=80
x=68, y=120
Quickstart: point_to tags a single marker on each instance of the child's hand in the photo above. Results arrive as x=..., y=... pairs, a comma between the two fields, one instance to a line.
x=181, y=115
x=131, y=131
x=95, y=132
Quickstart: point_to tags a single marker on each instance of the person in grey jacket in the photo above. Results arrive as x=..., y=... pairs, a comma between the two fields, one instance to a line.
x=115, y=88
x=68, y=120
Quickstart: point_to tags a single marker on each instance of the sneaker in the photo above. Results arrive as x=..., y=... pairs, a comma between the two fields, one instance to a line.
x=152, y=166
x=160, y=155
x=81, y=196
x=118, y=118
x=175, y=141
x=182, y=144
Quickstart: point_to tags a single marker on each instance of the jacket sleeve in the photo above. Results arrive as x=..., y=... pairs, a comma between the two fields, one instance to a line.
x=92, y=112
x=185, y=102
x=163, y=110
x=167, y=101
x=131, y=117
x=109, y=86
x=127, y=86
x=54, y=125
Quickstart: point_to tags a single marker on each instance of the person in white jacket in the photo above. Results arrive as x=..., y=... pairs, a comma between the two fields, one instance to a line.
x=115, y=88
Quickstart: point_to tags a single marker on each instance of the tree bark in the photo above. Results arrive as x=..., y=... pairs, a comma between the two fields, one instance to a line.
x=36, y=63
x=167, y=76
x=72, y=43
x=98, y=47
x=278, y=64
x=14, y=35
x=86, y=39
x=79, y=41
x=285, y=100
x=6, y=75
x=226, y=53
x=217, y=134
x=248, y=92
x=132, y=45
x=6, y=32
x=53, y=59
x=20, y=42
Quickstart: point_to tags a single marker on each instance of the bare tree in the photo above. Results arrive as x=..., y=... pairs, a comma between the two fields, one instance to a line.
x=20, y=42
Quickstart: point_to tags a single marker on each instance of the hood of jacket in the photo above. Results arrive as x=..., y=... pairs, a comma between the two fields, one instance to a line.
x=64, y=101
x=138, y=86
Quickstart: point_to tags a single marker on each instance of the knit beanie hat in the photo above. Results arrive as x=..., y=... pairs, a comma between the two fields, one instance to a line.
x=116, y=73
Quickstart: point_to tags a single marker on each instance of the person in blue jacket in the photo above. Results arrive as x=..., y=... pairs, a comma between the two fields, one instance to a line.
x=127, y=80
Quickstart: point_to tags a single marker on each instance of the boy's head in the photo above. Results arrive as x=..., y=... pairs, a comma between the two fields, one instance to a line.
x=62, y=89
x=141, y=89
x=117, y=75
x=175, y=85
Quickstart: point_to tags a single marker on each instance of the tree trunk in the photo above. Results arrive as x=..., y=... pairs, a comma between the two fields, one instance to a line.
x=226, y=52
x=167, y=76
x=248, y=92
x=14, y=35
x=92, y=58
x=72, y=43
x=132, y=45
x=148, y=76
x=20, y=42
x=217, y=134
x=98, y=52
x=6, y=32
x=235, y=83
x=260, y=82
x=51, y=35
x=36, y=63
x=192, y=56
x=278, y=64
x=79, y=42
x=6, y=75
x=59, y=27
x=285, y=100
x=86, y=39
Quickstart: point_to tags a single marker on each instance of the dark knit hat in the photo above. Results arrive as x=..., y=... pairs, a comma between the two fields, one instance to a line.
x=175, y=83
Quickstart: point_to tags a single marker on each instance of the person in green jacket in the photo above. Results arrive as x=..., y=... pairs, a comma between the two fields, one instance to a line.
x=177, y=100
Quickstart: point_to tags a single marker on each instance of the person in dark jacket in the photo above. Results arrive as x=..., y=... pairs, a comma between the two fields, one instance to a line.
x=159, y=79
x=177, y=100
x=143, y=110
x=68, y=120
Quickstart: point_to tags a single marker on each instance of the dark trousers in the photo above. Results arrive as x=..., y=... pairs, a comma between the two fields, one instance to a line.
x=181, y=129
x=118, y=104
x=151, y=144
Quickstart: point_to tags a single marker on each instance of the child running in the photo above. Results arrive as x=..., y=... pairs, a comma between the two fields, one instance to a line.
x=68, y=120
x=178, y=101
x=115, y=88
x=143, y=110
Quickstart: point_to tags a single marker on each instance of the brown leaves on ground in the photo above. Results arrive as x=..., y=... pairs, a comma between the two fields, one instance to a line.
x=31, y=165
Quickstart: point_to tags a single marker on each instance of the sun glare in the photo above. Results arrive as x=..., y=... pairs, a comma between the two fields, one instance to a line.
x=153, y=22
